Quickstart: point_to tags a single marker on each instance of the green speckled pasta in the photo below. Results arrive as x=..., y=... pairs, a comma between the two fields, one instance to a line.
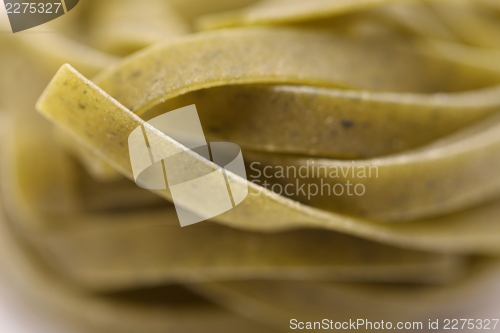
x=82, y=310
x=286, y=11
x=355, y=124
x=394, y=102
x=274, y=302
x=265, y=211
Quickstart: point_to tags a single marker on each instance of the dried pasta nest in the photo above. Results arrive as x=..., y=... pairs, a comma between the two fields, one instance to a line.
x=397, y=98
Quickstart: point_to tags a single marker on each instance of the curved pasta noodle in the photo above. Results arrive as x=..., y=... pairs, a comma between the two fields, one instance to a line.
x=474, y=56
x=350, y=127
x=495, y=4
x=53, y=49
x=331, y=123
x=417, y=18
x=440, y=178
x=217, y=49
x=222, y=48
x=191, y=10
x=38, y=284
x=254, y=55
x=140, y=83
x=468, y=23
x=89, y=247
x=265, y=211
x=94, y=165
x=286, y=11
x=273, y=303
x=124, y=27
x=406, y=90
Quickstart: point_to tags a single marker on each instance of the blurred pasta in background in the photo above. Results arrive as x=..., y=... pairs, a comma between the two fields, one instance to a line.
x=408, y=88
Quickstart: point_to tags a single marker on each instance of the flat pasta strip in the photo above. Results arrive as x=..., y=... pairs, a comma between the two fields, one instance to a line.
x=331, y=123
x=142, y=248
x=409, y=90
x=255, y=55
x=157, y=311
x=223, y=48
x=95, y=258
x=469, y=23
x=277, y=302
x=473, y=56
x=191, y=10
x=21, y=81
x=368, y=25
x=418, y=18
x=142, y=82
x=98, y=168
x=286, y=11
x=398, y=108
x=266, y=211
x=440, y=178
x=116, y=196
x=123, y=27
x=495, y=4
x=51, y=50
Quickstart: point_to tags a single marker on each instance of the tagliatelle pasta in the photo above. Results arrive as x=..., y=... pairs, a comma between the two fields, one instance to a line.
x=271, y=302
x=418, y=18
x=123, y=27
x=92, y=253
x=469, y=23
x=50, y=50
x=491, y=3
x=231, y=113
x=393, y=103
x=440, y=178
x=291, y=73
x=477, y=57
x=385, y=66
x=93, y=164
x=191, y=10
x=153, y=311
x=355, y=124
x=286, y=11
x=222, y=47
x=152, y=89
x=265, y=211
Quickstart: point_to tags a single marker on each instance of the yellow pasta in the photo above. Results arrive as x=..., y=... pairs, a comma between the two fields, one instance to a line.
x=354, y=124
x=51, y=50
x=370, y=135
x=276, y=302
x=418, y=18
x=123, y=27
x=286, y=11
x=89, y=246
x=157, y=311
x=253, y=55
x=264, y=211
x=468, y=23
